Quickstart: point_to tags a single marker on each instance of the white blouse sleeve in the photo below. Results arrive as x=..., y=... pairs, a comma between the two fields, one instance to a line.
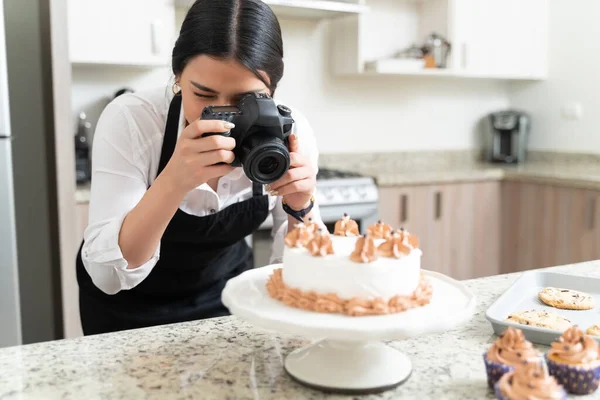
x=308, y=146
x=119, y=175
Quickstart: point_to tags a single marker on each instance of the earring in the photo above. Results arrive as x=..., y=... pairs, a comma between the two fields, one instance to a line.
x=176, y=88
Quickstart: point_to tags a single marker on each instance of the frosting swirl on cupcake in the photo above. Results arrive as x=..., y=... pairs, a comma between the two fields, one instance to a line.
x=530, y=381
x=346, y=227
x=574, y=347
x=299, y=236
x=321, y=244
x=511, y=348
x=380, y=230
x=365, y=250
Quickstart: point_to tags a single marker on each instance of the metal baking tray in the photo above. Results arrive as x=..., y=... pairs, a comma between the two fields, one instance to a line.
x=523, y=295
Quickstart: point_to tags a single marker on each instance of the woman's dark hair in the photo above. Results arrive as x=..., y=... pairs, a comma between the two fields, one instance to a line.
x=245, y=30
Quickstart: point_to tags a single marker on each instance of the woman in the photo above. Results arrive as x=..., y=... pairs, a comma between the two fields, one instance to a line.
x=168, y=215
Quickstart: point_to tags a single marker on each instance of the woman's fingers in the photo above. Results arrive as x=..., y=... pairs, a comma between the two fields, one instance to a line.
x=217, y=171
x=293, y=146
x=294, y=174
x=217, y=156
x=301, y=186
x=200, y=128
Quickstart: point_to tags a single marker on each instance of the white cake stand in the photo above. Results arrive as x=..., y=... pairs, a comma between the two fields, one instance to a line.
x=348, y=357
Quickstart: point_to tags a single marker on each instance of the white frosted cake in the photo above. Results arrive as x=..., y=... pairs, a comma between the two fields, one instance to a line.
x=375, y=273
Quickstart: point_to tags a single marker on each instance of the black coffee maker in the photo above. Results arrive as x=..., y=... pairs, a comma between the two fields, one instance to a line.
x=507, y=134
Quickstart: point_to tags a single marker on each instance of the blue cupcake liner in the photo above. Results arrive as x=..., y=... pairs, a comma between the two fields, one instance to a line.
x=500, y=396
x=498, y=392
x=495, y=370
x=575, y=379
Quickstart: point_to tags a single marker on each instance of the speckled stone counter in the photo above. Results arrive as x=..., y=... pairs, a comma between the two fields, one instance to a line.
x=226, y=358
x=585, y=177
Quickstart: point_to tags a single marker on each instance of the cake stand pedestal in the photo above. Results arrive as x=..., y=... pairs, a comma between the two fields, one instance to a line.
x=348, y=356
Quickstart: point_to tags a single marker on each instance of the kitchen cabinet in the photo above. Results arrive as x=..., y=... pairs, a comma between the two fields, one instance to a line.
x=497, y=39
x=505, y=38
x=116, y=32
x=458, y=224
x=306, y=9
x=546, y=225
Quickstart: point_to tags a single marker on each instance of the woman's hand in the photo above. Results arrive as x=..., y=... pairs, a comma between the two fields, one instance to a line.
x=194, y=158
x=298, y=184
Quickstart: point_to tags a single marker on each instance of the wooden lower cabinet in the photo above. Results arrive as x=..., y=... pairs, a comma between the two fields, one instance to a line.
x=70, y=292
x=470, y=230
x=458, y=224
x=545, y=225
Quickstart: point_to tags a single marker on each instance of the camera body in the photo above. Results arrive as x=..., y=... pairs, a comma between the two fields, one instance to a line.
x=261, y=132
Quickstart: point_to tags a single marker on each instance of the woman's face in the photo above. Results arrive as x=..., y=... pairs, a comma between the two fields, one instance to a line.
x=207, y=81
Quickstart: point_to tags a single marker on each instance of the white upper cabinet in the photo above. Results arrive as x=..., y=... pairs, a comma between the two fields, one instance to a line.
x=498, y=39
x=121, y=32
x=501, y=38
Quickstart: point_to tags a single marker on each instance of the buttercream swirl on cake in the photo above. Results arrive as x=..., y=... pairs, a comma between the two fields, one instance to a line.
x=332, y=303
x=365, y=250
x=530, y=380
x=380, y=230
x=346, y=227
x=311, y=226
x=397, y=245
x=300, y=236
x=574, y=347
x=320, y=245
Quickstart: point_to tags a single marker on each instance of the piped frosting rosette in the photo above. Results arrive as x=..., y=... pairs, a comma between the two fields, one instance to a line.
x=346, y=227
x=573, y=361
x=530, y=380
x=508, y=350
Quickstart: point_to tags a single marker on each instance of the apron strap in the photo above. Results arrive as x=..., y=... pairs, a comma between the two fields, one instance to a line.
x=171, y=129
x=257, y=189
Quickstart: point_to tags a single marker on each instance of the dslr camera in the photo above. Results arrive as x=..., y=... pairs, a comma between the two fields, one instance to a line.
x=261, y=133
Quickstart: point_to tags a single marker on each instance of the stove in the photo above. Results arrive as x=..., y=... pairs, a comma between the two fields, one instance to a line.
x=329, y=174
x=338, y=188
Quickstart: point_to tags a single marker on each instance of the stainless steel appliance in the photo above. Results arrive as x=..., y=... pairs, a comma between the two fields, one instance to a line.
x=30, y=245
x=506, y=136
x=338, y=192
x=439, y=48
x=10, y=313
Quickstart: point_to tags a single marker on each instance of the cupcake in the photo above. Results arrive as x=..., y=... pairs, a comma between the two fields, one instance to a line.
x=509, y=350
x=573, y=361
x=529, y=380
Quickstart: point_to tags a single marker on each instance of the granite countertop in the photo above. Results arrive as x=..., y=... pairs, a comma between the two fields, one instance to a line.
x=583, y=176
x=577, y=176
x=226, y=358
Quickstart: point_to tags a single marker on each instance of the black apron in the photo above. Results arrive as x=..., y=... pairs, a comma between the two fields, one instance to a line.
x=198, y=255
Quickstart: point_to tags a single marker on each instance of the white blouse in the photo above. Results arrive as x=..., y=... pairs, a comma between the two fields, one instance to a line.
x=126, y=152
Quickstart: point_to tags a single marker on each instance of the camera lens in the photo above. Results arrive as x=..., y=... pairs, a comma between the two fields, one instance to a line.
x=268, y=165
x=265, y=159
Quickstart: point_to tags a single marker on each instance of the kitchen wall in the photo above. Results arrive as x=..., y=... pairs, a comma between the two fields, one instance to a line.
x=348, y=114
x=573, y=80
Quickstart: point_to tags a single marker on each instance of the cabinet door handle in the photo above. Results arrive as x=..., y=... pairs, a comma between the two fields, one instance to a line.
x=591, y=214
x=403, y=208
x=438, y=205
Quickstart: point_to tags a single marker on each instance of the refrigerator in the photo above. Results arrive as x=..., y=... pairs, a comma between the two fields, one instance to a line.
x=30, y=230
x=10, y=312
